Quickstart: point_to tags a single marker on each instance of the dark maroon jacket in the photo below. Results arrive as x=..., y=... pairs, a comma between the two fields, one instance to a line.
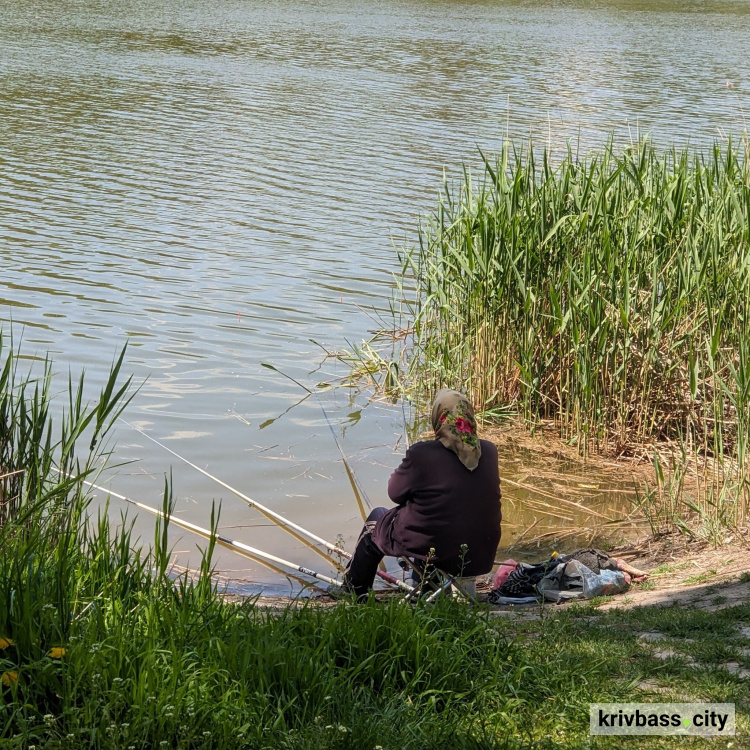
x=442, y=505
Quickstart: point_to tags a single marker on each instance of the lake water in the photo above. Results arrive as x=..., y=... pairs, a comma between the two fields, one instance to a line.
x=219, y=183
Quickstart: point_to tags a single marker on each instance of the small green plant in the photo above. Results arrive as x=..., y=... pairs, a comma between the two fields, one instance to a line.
x=701, y=577
x=669, y=568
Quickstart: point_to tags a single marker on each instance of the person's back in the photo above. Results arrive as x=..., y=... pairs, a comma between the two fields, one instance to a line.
x=445, y=506
x=447, y=495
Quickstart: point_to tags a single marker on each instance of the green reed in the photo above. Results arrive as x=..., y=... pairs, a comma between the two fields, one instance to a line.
x=36, y=467
x=608, y=293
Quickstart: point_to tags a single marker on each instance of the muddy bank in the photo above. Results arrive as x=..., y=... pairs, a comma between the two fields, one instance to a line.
x=690, y=573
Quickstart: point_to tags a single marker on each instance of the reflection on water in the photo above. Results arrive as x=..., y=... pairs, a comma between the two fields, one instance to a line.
x=554, y=502
x=219, y=184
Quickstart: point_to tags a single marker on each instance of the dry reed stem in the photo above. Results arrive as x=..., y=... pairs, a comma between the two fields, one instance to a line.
x=535, y=490
x=12, y=473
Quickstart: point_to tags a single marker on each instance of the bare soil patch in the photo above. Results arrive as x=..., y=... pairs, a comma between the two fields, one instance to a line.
x=690, y=573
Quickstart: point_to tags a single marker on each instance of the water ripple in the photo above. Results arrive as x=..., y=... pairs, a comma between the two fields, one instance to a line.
x=219, y=183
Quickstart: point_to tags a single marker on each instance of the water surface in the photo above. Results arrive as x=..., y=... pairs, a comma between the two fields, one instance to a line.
x=219, y=183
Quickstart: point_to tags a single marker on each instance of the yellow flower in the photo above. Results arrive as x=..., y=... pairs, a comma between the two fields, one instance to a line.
x=9, y=678
x=5, y=642
x=57, y=653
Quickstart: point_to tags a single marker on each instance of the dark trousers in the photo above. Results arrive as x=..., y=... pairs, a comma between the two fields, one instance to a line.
x=362, y=568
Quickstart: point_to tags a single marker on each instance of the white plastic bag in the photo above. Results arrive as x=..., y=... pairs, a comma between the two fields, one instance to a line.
x=606, y=583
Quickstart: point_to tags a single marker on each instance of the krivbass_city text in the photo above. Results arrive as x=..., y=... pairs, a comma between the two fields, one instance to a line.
x=702, y=719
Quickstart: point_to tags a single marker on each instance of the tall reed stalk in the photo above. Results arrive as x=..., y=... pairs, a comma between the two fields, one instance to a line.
x=609, y=293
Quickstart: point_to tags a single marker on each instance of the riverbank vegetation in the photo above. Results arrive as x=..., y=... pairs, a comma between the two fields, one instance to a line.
x=608, y=295
x=103, y=646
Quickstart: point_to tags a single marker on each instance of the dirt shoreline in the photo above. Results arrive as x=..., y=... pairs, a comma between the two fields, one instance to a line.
x=690, y=573
x=684, y=573
x=683, y=570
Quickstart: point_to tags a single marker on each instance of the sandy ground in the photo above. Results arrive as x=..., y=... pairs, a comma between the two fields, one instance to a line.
x=693, y=574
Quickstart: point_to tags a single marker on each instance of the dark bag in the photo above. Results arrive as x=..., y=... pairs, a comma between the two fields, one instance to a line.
x=593, y=559
x=522, y=581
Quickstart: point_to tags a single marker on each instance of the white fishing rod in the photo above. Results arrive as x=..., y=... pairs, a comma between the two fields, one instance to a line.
x=285, y=522
x=239, y=547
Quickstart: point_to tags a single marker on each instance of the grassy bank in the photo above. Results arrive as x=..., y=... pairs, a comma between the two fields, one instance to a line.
x=609, y=294
x=101, y=646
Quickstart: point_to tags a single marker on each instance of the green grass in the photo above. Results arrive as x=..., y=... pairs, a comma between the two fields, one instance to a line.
x=669, y=568
x=154, y=660
x=103, y=647
x=704, y=642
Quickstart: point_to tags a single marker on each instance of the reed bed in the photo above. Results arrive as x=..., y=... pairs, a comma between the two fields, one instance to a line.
x=608, y=294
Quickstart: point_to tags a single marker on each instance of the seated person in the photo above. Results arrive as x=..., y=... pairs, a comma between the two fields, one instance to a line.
x=447, y=495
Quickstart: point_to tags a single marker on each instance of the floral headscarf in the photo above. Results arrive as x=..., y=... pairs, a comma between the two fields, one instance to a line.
x=455, y=427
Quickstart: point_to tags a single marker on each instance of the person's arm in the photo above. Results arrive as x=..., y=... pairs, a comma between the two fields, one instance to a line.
x=403, y=481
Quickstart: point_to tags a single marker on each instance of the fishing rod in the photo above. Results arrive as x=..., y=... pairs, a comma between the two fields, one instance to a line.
x=285, y=523
x=256, y=555
x=260, y=560
x=358, y=490
x=290, y=528
x=239, y=547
